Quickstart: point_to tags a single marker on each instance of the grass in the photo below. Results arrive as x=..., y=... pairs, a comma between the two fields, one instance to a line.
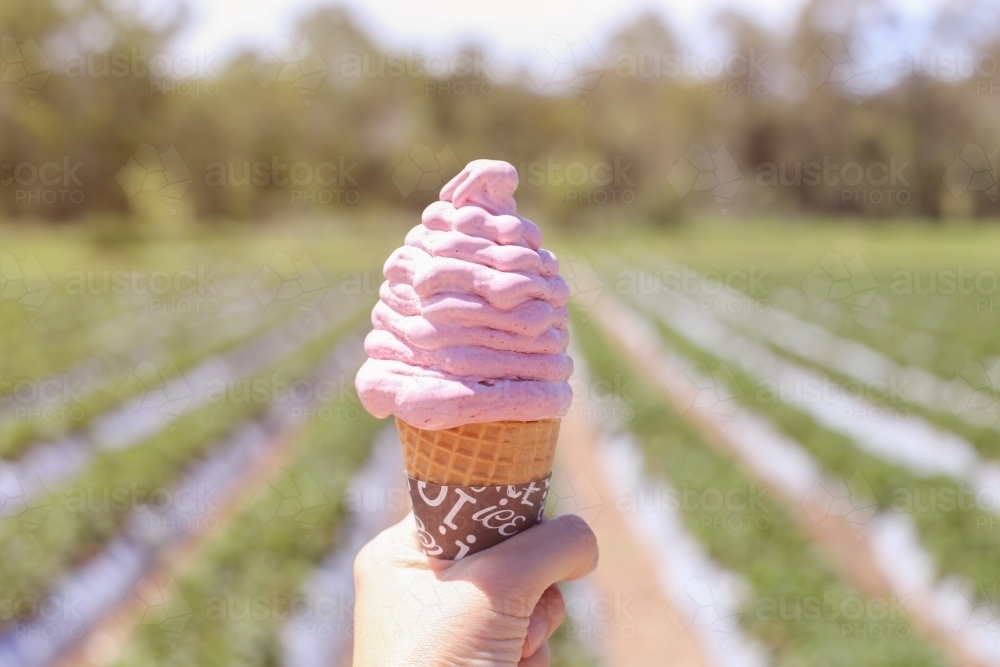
x=914, y=318
x=49, y=339
x=569, y=651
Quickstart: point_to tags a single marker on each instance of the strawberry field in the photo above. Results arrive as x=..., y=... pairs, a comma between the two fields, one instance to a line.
x=788, y=432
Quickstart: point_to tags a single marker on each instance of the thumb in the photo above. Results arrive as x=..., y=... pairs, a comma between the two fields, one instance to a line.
x=531, y=561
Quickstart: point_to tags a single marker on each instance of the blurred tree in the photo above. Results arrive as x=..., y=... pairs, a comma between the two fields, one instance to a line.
x=100, y=116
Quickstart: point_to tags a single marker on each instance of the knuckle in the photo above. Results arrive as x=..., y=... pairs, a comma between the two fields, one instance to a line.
x=491, y=578
x=579, y=531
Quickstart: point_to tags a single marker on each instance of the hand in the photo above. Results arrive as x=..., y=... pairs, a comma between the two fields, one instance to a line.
x=496, y=608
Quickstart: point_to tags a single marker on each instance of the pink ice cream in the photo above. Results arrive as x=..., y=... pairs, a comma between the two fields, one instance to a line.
x=471, y=322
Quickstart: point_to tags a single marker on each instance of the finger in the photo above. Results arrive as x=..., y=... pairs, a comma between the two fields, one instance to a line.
x=541, y=658
x=531, y=561
x=544, y=620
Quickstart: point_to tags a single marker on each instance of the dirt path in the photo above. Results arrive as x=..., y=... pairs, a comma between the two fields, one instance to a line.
x=647, y=630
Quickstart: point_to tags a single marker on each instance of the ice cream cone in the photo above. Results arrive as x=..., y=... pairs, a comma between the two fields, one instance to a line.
x=469, y=343
x=483, y=454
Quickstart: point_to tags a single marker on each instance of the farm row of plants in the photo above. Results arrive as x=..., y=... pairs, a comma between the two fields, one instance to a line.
x=104, y=297
x=924, y=297
x=984, y=437
x=177, y=351
x=79, y=519
x=789, y=580
x=961, y=533
x=247, y=584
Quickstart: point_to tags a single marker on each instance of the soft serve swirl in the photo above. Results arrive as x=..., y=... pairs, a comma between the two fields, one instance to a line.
x=471, y=320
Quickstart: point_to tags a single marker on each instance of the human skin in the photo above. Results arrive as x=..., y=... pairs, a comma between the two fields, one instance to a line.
x=496, y=608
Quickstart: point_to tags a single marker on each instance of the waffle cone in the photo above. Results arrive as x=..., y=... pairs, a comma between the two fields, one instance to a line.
x=483, y=454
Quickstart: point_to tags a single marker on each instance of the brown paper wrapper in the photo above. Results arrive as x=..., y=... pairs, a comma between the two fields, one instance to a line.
x=456, y=521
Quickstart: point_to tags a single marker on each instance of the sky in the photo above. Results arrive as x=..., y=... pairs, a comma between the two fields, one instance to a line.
x=440, y=25
x=513, y=30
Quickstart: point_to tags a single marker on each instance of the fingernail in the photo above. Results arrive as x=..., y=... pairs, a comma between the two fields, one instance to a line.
x=538, y=630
